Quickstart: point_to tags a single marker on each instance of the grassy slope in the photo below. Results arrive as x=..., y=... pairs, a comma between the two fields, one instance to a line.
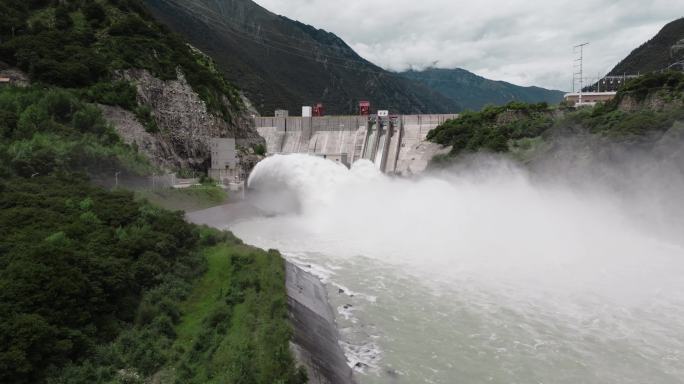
x=189, y=199
x=233, y=328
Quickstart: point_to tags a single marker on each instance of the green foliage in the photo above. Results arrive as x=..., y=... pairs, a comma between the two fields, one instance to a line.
x=117, y=93
x=518, y=128
x=144, y=115
x=74, y=262
x=612, y=122
x=493, y=128
x=230, y=326
x=82, y=43
x=95, y=286
x=49, y=131
x=186, y=199
x=259, y=149
x=236, y=330
x=641, y=87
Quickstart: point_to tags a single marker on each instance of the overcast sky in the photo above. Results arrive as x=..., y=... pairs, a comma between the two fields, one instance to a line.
x=526, y=42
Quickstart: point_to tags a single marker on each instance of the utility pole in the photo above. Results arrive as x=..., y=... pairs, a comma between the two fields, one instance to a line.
x=581, y=67
x=116, y=179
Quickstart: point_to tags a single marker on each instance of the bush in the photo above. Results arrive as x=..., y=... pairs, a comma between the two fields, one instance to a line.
x=118, y=93
x=259, y=149
x=144, y=115
x=52, y=131
x=89, y=43
x=56, y=308
x=474, y=131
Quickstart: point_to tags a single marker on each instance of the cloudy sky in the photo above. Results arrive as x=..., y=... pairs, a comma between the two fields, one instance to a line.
x=527, y=42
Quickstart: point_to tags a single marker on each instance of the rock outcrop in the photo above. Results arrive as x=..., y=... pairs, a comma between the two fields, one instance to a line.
x=656, y=101
x=186, y=126
x=132, y=132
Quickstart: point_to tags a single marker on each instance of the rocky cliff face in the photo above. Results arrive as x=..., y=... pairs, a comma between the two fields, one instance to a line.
x=657, y=101
x=186, y=126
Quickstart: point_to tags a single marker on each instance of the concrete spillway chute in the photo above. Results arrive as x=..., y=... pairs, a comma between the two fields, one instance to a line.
x=396, y=144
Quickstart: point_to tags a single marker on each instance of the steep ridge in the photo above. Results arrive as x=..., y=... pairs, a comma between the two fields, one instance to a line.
x=163, y=97
x=281, y=63
x=474, y=92
x=655, y=54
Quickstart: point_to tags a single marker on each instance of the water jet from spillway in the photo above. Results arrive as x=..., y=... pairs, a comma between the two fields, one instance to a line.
x=528, y=260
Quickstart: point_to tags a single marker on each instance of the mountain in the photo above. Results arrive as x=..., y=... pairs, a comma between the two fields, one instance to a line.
x=282, y=63
x=655, y=54
x=474, y=92
x=87, y=272
x=163, y=97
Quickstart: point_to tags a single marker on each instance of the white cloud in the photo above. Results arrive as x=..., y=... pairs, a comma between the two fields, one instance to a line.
x=528, y=42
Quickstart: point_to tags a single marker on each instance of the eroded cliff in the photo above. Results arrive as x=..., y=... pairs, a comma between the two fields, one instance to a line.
x=185, y=124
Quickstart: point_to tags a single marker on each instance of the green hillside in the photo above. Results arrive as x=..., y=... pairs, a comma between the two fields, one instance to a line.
x=654, y=54
x=282, y=63
x=519, y=128
x=97, y=286
x=81, y=43
x=474, y=92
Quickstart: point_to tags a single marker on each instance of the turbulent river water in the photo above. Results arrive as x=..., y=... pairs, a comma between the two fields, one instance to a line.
x=481, y=276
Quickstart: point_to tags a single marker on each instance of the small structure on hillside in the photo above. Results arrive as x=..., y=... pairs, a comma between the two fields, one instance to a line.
x=588, y=98
x=282, y=113
x=13, y=77
x=364, y=108
x=319, y=110
x=224, y=161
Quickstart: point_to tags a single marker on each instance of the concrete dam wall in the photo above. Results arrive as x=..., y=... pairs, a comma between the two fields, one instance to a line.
x=395, y=144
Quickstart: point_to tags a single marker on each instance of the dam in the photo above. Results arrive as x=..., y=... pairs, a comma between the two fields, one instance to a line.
x=395, y=144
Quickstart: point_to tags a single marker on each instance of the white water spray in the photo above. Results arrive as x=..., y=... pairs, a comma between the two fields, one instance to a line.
x=525, y=263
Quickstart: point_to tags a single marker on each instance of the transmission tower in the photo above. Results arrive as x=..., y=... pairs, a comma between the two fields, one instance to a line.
x=579, y=60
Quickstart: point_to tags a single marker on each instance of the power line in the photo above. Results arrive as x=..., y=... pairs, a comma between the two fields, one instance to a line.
x=581, y=69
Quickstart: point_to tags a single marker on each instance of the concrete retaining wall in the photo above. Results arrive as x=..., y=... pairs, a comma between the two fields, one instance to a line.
x=398, y=148
x=315, y=342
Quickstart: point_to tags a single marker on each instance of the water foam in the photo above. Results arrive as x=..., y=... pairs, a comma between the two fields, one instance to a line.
x=519, y=273
x=495, y=227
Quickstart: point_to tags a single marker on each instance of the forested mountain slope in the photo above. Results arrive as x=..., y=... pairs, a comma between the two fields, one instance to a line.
x=281, y=63
x=655, y=54
x=95, y=285
x=473, y=92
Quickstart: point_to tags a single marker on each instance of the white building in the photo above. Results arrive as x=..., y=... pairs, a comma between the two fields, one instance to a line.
x=224, y=161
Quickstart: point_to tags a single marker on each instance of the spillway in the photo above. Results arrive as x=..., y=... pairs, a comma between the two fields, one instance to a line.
x=396, y=145
x=481, y=276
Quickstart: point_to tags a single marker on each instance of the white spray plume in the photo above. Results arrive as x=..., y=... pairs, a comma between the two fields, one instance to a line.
x=489, y=224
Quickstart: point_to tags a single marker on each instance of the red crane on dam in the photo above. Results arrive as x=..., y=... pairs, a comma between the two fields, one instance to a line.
x=364, y=108
x=318, y=110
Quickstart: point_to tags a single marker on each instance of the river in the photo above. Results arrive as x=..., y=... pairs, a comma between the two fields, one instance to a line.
x=486, y=275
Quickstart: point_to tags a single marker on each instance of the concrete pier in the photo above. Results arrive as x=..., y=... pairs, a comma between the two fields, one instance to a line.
x=396, y=145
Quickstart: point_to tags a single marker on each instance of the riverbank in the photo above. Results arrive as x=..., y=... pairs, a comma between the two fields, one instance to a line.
x=315, y=342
